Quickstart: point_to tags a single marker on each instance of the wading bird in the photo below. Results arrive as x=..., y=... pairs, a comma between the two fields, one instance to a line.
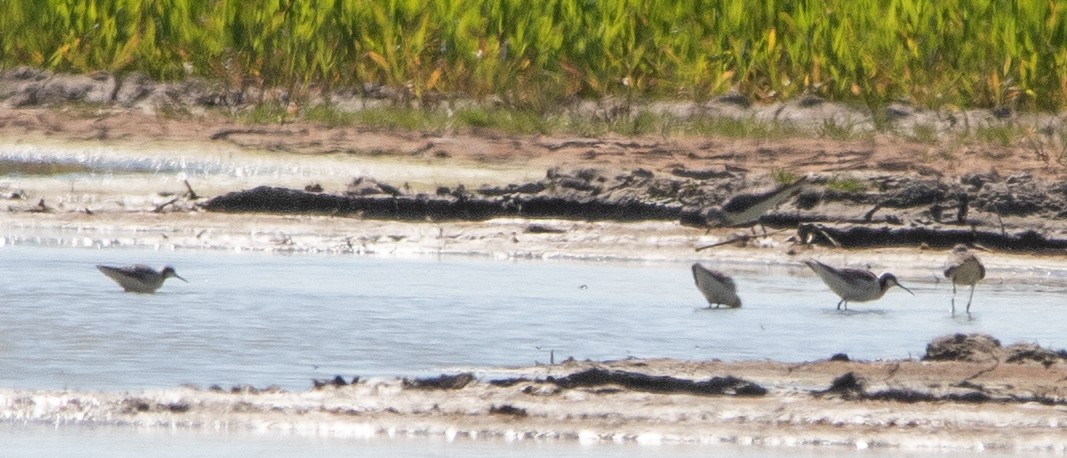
x=717, y=287
x=854, y=285
x=745, y=210
x=963, y=268
x=139, y=278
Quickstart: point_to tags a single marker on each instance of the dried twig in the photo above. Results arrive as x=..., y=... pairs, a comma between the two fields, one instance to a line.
x=831, y=239
x=980, y=373
x=738, y=238
x=192, y=194
x=870, y=214
x=159, y=208
x=806, y=234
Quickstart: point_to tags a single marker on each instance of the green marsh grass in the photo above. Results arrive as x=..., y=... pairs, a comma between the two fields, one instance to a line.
x=782, y=176
x=923, y=133
x=848, y=185
x=1000, y=135
x=402, y=118
x=835, y=130
x=519, y=122
x=537, y=55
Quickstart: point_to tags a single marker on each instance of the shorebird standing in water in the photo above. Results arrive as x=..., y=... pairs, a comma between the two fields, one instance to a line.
x=717, y=287
x=856, y=285
x=745, y=210
x=139, y=278
x=963, y=268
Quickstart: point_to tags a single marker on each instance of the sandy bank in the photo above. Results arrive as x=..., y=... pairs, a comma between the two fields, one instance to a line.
x=987, y=397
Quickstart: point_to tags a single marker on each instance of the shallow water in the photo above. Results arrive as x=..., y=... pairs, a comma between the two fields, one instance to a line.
x=266, y=319
x=211, y=167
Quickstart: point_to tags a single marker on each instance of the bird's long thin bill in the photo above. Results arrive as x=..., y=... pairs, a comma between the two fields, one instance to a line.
x=905, y=288
x=187, y=281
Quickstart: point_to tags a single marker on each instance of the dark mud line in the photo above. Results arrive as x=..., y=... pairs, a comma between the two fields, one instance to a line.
x=1013, y=213
x=867, y=236
x=849, y=387
x=441, y=382
x=983, y=348
x=973, y=348
x=431, y=208
x=728, y=385
x=635, y=381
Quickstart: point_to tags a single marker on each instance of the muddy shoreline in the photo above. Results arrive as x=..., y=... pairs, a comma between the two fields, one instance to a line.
x=905, y=212
x=642, y=189
x=967, y=393
x=861, y=194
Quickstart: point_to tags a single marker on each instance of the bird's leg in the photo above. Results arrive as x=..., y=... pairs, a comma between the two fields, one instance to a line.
x=954, y=299
x=969, y=300
x=839, y=305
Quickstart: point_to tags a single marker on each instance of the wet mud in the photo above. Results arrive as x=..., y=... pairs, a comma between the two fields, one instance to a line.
x=930, y=404
x=1012, y=213
x=635, y=381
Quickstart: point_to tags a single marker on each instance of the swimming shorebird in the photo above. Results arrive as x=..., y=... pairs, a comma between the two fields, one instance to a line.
x=744, y=210
x=856, y=285
x=139, y=278
x=963, y=268
x=717, y=287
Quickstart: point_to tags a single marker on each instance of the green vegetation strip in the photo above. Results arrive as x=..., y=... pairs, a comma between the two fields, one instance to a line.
x=535, y=55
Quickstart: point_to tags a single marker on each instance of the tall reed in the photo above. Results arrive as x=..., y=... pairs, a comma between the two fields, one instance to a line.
x=537, y=54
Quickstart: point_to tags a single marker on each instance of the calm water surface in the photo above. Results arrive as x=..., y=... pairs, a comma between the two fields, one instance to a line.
x=268, y=319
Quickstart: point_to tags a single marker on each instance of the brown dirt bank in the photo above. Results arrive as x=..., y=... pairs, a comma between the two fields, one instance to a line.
x=877, y=192
x=985, y=396
x=877, y=153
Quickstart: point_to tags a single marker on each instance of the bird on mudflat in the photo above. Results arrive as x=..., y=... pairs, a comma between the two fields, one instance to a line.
x=854, y=285
x=717, y=287
x=746, y=209
x=963, y=268
x=139, y=278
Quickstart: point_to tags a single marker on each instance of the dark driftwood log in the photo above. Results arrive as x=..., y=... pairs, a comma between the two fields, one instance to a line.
x=852, y=236
x=873, y=219
x=636, y=381
x=439, y=207
x=728, y=385
x=441, y=382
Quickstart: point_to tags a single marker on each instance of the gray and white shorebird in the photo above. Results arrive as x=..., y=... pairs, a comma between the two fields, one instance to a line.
x=717, y=287
x=963, y=268
x=139, y=278
x=854, y=285
x=743, y=210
